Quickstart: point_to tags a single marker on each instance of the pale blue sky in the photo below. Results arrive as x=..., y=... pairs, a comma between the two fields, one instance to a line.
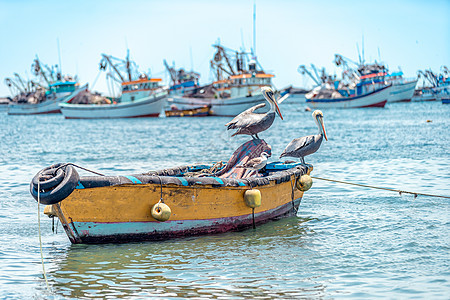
x=411, y=34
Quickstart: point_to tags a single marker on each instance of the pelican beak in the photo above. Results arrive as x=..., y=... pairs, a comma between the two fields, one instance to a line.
x=322, y=126
x=278, y=109
x=269, y=95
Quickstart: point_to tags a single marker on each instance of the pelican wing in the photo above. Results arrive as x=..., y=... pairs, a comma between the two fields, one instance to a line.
x=246, y=117
x=297, y=144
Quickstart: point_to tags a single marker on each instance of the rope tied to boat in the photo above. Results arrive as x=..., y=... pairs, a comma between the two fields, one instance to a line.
x=82, y=168
x=292, y=193
x=253, y=209
x=161, y=200
x=381, y=188
x=40, y=239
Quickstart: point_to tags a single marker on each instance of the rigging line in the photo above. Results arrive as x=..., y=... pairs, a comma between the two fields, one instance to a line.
x=95, y=80
x=381, y=188
x=40, y=239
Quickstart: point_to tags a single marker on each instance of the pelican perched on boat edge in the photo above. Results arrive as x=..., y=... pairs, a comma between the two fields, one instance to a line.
x=251, y=123
x=307, y=145
x=256, y=163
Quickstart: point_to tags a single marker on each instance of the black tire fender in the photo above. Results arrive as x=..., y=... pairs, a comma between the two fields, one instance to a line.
x=58, y=192
x=49, y=177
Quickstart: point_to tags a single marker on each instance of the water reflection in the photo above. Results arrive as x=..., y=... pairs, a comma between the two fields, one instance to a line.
x=226, y=265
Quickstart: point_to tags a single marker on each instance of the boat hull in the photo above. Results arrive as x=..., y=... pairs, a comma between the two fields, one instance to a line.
x=122, y=212
x=145, y=107
x=49, y=106
x=402, y=92
x=376, y=98
x=195, y=112
x=219, y=107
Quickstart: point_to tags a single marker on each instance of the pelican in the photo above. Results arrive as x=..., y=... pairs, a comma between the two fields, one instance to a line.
x=251, y=123
x=256, y=163
x=308, y=144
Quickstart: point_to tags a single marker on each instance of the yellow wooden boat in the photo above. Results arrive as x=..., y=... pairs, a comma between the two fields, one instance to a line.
x=176, y=202
x=194, y=112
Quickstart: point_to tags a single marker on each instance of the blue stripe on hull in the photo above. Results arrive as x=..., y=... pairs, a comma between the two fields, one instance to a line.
x=92, y=232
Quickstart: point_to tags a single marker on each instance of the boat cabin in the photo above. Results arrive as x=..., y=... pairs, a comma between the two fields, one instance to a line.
x=62, y=87
x=136, y=89
x=243, y=85
x=370, y=82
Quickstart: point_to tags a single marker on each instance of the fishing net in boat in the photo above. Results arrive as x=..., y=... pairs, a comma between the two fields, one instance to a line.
x=87, y=97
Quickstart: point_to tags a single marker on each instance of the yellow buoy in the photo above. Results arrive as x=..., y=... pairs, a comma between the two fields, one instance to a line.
x=49, y=211
x=161, y=212
x=304, y=183
x=252, y=198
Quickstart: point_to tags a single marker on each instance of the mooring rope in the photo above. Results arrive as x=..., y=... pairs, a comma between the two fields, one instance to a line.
x=40, y=239
x=64, y=165
x=381, y=188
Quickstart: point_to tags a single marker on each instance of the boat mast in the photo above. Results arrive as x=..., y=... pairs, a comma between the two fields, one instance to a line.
x=108, y=59
x=59, y=58
x=171, y=71
x=254, y=31
x=303, y=70
x=38, y=70
x=128, y=65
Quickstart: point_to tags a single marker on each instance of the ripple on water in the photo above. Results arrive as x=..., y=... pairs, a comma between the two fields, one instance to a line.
x=346, y=242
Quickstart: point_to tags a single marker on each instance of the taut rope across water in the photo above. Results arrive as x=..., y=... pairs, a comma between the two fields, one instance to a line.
x=381, y=188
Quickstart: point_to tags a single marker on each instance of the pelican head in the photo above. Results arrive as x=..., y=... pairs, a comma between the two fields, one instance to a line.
x=270, y=97
x=265, y=154
x=318, y=117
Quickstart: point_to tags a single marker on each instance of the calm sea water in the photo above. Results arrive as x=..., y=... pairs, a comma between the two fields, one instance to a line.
x=346, y=242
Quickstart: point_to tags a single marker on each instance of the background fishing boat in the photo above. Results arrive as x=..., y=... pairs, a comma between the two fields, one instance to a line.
x=402, y=88
x=4, y=102
x=326, y=97
x=367, y=88
x=194, y=112
x=141, y=96
x=237, y=85
x=434, y=86
x=41, y=95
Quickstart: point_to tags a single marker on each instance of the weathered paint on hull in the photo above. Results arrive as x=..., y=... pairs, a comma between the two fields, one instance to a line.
x=91, y=232
x=122, y=213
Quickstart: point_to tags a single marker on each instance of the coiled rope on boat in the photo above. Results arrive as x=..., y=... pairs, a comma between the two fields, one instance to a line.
x=382, y=188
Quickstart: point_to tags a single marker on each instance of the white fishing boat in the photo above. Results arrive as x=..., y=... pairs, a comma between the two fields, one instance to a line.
x=435, y=86
x=143, y=97
x=140, y=98
x=378, y=76
x=4, y=102
x=41, y=95
x=237, y=86
x=402, y=89
x=323, y=98
x=366, y=88
x=56, y=94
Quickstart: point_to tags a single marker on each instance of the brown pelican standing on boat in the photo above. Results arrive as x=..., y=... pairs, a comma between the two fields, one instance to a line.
x=308, y=144
x=251, y=123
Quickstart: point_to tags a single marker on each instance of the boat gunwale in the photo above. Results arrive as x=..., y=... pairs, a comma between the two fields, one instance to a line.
x=170, y=178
